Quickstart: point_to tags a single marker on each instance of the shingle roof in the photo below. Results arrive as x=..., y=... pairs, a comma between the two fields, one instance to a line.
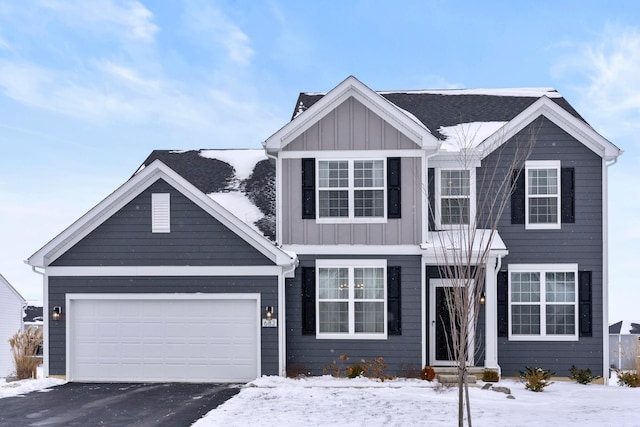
x=242, y=181
x=625, y=327
x=436, y=109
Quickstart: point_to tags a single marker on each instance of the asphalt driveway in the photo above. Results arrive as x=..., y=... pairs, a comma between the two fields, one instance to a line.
x=115, y=404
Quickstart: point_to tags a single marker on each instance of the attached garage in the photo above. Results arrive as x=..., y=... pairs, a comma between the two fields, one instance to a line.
x=163, y=337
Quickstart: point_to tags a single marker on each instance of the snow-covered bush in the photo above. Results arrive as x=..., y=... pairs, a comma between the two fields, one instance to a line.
x=536, y=379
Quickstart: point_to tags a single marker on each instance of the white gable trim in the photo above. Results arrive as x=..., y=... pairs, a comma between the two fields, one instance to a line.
x=352, y=87
x=132, y=188
x=562, y=118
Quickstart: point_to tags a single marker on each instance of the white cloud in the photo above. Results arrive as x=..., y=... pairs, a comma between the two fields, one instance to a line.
x=214, y=25
x=130, y=17
x=606, y=80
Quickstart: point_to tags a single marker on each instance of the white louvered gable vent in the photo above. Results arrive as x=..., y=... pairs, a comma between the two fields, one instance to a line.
x=160, y=213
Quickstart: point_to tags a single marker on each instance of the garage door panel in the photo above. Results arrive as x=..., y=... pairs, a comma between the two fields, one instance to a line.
x=164, y=340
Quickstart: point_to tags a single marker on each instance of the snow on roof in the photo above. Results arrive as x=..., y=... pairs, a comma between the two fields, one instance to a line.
x=240, y=206
x=630, y=327
x=531, y=92
x=467, y=135
x=522, y=92
x=243, y=161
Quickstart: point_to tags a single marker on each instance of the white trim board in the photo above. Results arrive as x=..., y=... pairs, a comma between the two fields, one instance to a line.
x=166, y=271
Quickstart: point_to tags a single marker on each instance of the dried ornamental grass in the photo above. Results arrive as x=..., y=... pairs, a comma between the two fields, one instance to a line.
x=24, y=346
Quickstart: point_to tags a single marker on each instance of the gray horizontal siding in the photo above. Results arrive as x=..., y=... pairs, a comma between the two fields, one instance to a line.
x=196, y=238
x=579, y=242
x=402, y=231
x=401, y=353
x=267, y=287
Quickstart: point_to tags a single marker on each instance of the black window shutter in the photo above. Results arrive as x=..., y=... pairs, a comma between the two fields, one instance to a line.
x=308, y=188
x=308, y=300
x=517, y=197
x=584, y=301
x=567, y=191
x=394, y=326
x=393, y=187
x=503, y=288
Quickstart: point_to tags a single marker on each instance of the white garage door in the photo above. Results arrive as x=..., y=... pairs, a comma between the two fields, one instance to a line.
x=163, y=338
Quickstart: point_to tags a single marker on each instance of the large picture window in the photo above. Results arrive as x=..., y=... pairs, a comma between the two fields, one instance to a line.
x=351, y=299
x=455, y=194
x=351, y=189
x=543, y=302
x=542, y=186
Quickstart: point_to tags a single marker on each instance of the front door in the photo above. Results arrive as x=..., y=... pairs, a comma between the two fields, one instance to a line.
x=441, y=352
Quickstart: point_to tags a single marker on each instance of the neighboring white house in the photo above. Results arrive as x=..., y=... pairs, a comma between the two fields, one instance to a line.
x=624, y=344
x=11, y=312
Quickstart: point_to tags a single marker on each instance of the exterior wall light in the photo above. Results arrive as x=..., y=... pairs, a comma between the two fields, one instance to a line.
x=56, y=315
x=269, y=320
x=482, y=298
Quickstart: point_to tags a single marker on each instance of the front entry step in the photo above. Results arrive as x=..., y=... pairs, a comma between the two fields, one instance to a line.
x=453, y=379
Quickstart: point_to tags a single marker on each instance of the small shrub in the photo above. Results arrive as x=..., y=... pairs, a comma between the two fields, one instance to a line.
x=628, y=379
x=427, y=373
x=365, y=368
x=536, y=379
x=582, y=376
x=24, y=346
x=355, y=371
x=489, y=376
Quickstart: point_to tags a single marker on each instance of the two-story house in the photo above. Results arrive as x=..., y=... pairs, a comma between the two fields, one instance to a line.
x=218, y=265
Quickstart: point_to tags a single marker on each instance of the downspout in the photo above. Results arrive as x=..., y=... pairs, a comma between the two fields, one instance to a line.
x=605, y=268
x=45, y=320
x=284, y=272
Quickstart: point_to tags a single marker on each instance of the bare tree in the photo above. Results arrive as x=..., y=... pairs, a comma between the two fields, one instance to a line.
x=465, y=244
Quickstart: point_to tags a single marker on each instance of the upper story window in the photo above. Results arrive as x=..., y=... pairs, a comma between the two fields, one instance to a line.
x=542, y=185
x=455, y=197
x=543, y=302
x=351, y=189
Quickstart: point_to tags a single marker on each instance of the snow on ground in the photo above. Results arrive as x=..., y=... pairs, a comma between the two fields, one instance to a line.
x=317, y=401
x=16, y=388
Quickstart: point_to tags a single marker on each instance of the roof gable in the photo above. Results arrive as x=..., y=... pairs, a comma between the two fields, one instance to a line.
x=136, y=185
x=11, y=289
x=544, y=106
x=405, y=122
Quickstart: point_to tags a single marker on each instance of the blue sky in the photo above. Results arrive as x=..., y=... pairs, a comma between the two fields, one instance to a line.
x=88, y=89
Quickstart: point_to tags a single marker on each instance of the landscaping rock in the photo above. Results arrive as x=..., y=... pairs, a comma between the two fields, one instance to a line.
x=505, y=390
x=487, y=386
x=510, y=396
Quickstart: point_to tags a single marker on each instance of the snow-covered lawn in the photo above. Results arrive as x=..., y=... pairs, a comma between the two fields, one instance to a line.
x=15, y=388
x=328, y=401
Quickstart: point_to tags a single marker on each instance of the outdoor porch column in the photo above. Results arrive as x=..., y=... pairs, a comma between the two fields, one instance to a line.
x=491, y=315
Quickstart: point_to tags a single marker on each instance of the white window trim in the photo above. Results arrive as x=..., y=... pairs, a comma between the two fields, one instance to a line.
x=541, y=164
x=351, y=264
x=351, y=193
x=438, y=197
x=160, y=212
x=544, y=268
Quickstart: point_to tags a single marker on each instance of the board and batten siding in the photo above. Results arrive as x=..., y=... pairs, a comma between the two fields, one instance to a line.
x=267, y=287
x=579, y=242
x=401, y=231
x=351, y=126
x=402, y=353
x=196, y=238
